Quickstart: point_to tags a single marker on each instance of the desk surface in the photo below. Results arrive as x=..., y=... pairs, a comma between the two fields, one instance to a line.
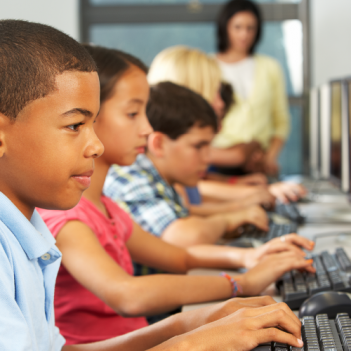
x=327, y=237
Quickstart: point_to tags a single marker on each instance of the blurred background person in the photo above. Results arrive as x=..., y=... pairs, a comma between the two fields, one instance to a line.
x=261, y=110
x=200, y=72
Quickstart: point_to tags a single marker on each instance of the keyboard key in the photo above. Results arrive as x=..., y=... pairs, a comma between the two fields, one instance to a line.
x=329, y=262
x=263, y=348
x=343, y=259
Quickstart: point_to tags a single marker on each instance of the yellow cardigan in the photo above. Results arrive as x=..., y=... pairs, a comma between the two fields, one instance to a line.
x=263, y=115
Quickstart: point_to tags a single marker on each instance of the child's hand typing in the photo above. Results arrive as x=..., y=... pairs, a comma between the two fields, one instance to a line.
x=290, y=242
x=270, y=268
x=251, y=215
x=242, y=330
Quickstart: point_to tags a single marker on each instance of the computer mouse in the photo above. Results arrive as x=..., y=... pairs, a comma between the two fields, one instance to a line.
x=329, y=302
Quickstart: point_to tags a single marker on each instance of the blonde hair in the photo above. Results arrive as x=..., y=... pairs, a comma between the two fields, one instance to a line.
x=189, y=67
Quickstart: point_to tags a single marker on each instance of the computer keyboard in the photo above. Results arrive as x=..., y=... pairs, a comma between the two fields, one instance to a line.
x=332, y=273
x=250, y=235
x=289, y=211
x=319, y=334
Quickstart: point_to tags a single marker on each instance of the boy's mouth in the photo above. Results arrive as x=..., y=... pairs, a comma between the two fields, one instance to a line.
x=141, y=149
x=84, y=178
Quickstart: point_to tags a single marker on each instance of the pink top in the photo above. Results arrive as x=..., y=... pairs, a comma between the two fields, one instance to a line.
x=81, y=316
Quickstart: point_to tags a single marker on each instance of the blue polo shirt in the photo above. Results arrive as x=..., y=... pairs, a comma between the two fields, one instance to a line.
x=29, y=262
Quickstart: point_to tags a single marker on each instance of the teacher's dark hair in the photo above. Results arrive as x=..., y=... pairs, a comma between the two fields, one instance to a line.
x=230, y=9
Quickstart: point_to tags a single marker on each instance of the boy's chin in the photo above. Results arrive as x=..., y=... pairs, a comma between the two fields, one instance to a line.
x=63, y=204
x=128, y=161
x=189, y=182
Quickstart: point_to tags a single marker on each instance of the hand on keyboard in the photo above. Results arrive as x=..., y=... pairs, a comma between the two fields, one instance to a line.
x=270, y=268
x=296, y=240
x=291, y=242
x=319, y=333
x=252, y=215
x=225, y=308
x=244, y=330
x=261, y=197
x=287, y=191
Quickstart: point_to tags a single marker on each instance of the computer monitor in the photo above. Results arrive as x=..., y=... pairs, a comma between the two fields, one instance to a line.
x=335, y=132
x=345, y=137
x=339, y=154
x=315, y=159
x=347, y=85
x=324, y=112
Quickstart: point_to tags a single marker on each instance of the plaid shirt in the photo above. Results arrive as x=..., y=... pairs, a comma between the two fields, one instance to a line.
x=141, y=191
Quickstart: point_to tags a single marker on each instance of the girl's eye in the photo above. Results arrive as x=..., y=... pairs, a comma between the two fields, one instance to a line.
x=132, y=115
x=75, y=127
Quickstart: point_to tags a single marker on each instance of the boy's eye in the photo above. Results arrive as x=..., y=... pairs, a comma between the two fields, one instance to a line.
x=75, y=127
x=132, y=114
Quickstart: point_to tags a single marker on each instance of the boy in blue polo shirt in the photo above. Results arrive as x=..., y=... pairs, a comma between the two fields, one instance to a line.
x=49, y=99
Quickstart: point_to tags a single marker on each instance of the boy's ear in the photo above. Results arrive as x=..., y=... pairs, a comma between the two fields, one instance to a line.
x=4, y=121
x=155, y=144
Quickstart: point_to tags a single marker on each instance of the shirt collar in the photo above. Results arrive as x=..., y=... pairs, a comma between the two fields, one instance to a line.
x=34, y=236
x=163, y=188
x=147, y=165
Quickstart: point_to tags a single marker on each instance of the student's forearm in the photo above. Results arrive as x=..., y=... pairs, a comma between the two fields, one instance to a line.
x=208, y=209
x=139, y=340
x=195, y=230
x=234, y=156
x=158, y=293
x=217, y=177
x=224, y=191
x=211, y=256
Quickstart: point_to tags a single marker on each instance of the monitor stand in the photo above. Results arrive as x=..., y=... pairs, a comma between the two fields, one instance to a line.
x=342, y=216
x=334, y=215
x=326, y=197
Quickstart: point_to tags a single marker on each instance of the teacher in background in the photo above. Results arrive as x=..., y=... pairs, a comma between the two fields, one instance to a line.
x=261, y=109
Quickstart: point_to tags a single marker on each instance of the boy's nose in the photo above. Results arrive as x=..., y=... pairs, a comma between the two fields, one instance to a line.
x=96, y=148
x=146, y=128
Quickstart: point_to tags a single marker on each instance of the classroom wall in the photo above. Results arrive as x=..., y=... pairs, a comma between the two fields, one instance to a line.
x=61, y=14
x=330, y=27
x=331, y=50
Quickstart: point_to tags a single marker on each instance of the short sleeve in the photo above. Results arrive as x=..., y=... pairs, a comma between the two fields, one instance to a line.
x=59, y=340
x=55, y=220
x=15, y=332
x=12, y=322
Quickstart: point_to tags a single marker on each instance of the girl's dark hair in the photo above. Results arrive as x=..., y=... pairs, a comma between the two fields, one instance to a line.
x=230, y=9
x=173, y=109
x=111, y=64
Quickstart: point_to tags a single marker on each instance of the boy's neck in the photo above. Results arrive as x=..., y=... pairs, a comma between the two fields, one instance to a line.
x=161, y=168
x=94, y=192
x=26, y=209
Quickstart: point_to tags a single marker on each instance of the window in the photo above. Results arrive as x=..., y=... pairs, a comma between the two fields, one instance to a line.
x=145, y=27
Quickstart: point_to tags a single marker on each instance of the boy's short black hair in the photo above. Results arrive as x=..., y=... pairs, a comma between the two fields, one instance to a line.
x=173, y=109
x=31, y=56
x=230, y=9
x=227, y=95
x=111, y=65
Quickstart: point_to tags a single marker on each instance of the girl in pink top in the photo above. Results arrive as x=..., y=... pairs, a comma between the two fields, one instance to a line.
x=95, y=286
x=78, y=311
